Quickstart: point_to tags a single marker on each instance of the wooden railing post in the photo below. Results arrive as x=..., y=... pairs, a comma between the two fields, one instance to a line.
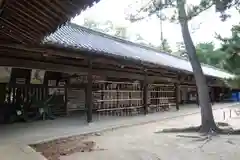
x=66, y=86
x=212, y=95
x=176, y=86
x=89, y=96
x=197, y=97
x=145, y=92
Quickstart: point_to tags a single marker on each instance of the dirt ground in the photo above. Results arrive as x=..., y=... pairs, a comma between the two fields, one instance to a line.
x=143, y=143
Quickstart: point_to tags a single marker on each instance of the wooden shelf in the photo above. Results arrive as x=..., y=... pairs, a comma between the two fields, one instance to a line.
x=162, y=92
x=121, y=108
x=113, y=82
x=160, y=105
x=119, y=91
x=163, y=98
x=162, y=85
x=115, y=100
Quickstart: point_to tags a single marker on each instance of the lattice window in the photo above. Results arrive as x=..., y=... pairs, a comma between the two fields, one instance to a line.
x=161, y=97
x=118, y=98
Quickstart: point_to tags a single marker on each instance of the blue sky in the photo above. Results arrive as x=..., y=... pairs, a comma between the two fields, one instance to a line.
x=208, y=23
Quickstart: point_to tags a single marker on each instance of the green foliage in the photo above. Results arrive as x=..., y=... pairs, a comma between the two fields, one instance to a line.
x=184, y=13
x=194, y=11
x=165, y=47
x=208, y=55
x=205, y=52
x=233, y=83
x=222, y=5
x=156, y=6
x=231, y=46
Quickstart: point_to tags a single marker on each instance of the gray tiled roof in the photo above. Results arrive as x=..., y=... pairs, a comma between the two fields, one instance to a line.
x=72, y=35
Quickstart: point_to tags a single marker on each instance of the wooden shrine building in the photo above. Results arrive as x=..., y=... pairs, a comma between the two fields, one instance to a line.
x=99, y=74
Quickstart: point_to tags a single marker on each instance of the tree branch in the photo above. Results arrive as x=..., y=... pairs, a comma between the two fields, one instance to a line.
x=152, y=8
x=222, y=5
x=133, y=18
x=196, y=10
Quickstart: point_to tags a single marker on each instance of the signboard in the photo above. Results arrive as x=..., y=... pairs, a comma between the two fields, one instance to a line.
x=20, y=80
x=76, y=99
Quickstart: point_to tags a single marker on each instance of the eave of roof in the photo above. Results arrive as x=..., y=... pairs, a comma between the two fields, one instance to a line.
x=28, y=22
x=78, y=37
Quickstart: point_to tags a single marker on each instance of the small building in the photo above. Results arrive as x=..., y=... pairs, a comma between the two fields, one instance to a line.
x=94, y=73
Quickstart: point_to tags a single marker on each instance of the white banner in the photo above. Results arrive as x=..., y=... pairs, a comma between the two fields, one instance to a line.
x=5, y=74
x=37, y=76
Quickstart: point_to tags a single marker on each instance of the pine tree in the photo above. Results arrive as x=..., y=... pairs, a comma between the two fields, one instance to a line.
x=183, y=13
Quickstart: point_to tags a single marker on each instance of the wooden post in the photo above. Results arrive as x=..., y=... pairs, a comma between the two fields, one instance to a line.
x=89, y=97
x=66, y=96
x=212, y=95
x=117, y=88
x=145, y=93
x=197, y=97
x=103, y=87
x=176, y=85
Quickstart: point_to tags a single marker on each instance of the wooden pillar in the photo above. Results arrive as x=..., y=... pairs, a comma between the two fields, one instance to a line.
x=66, y=96
x=218, y=94
x=103, y=87
x=89, y=96
x=197, y=97
x=117, y=89
x=46, y=91
x=176, y=86
x=212, y=94
x=145, y=93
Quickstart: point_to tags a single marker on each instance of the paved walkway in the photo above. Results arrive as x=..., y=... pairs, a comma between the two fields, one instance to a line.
x=19, y=152
x=15, y=138
x=29, y=133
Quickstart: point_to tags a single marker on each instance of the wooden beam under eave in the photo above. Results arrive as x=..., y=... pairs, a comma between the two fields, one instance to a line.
x=58, y=9
x=7, y=22
x=43, y=10
x=1, y=3
x=27, y=16
x=38, y=50
x=3, y=32
x=33, y=15
x=18, y=31
x=68, y=68
x=56, y=67
x=25, y=23
x=126, y=67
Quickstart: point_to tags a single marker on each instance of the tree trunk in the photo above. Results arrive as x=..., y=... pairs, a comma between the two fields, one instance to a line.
x=207, y=119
